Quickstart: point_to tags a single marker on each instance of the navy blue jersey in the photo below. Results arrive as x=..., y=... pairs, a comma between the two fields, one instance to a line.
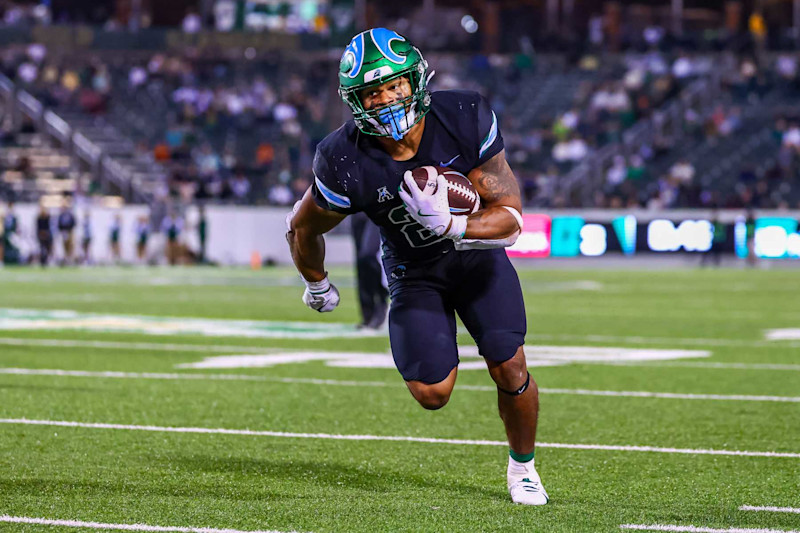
x=353, y=173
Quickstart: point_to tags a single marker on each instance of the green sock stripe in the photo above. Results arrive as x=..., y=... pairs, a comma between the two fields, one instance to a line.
x=520, y=457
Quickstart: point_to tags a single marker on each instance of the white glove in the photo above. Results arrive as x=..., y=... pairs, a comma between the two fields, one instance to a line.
x=321, y=295
x=432, y=211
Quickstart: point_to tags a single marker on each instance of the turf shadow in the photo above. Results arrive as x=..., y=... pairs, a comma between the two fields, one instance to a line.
x=138, y=490
x=371, y=478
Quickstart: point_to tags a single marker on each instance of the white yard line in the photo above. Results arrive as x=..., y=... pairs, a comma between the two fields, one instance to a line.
x=696, y=529
x=392, y=438
x=673, y=396
x=355, y=383
x=122, y=527
x=726, y=366
x=148, y=346
x=673, y=341
x=770, y=509
x=158, y=279
x=193, y=377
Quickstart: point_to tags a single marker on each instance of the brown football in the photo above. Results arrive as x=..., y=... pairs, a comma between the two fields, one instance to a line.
x=461, y=195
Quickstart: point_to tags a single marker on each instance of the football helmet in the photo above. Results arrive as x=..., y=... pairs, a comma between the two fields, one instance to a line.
x=372, y=58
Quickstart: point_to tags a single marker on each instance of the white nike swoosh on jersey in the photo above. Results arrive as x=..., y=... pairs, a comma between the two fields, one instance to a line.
x=449, y=162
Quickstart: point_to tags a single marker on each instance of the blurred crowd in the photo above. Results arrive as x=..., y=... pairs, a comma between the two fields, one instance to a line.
x=223, y=132
x=767, y=179
x=227, y=133
x=244, y=130
x=65, y=236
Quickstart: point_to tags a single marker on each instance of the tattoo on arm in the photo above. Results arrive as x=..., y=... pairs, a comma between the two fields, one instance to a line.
x=495, y=181
x=497, y=187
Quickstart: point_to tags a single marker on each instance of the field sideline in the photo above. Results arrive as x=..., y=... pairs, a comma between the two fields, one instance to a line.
x=211, y=400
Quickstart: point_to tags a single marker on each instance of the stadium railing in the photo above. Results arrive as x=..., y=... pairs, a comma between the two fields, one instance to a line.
x=108, y=155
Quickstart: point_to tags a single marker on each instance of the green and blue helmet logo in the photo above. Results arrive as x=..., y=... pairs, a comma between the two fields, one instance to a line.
x=354, y=55
x=383, y=40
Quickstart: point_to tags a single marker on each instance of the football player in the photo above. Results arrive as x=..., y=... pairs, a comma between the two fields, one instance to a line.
x=66, y=226
x=371, y=283
x=437, y=264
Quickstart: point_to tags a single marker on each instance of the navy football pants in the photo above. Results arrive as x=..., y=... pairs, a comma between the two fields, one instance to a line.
x=480, y=285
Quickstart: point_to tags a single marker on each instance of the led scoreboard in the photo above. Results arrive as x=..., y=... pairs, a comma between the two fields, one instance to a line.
x=547, y=235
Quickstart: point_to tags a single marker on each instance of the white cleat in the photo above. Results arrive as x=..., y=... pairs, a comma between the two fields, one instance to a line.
x=527, y=491
x=525, y=485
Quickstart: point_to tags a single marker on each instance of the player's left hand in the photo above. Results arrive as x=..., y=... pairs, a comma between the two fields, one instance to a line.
x=432, y=211
x=322, y=296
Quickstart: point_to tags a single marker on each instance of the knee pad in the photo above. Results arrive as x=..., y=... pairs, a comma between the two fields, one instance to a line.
x=519, y=390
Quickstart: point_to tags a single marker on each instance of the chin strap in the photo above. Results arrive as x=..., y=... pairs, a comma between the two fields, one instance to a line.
x=430, y=75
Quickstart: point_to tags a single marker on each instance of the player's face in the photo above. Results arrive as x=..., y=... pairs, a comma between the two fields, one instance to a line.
x=385, y=94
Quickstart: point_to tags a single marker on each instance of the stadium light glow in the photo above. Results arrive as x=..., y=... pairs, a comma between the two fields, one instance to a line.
x=469, y=24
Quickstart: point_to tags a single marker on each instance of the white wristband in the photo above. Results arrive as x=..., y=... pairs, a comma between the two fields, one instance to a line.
x=458, y=227
x=317, y=287
x=516, y=214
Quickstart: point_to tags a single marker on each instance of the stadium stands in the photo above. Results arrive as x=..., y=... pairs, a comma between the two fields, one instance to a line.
x=31, y=164
x=31, y=167
x=213, y=129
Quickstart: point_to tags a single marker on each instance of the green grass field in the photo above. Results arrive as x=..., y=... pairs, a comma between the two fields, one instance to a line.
x=129, y=349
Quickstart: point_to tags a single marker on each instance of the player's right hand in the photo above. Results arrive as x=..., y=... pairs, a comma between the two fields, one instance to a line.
x=432, y=211
x=322, y=296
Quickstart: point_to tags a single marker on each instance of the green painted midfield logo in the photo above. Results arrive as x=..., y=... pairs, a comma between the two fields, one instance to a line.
x=31, y=319
x=537, y=354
